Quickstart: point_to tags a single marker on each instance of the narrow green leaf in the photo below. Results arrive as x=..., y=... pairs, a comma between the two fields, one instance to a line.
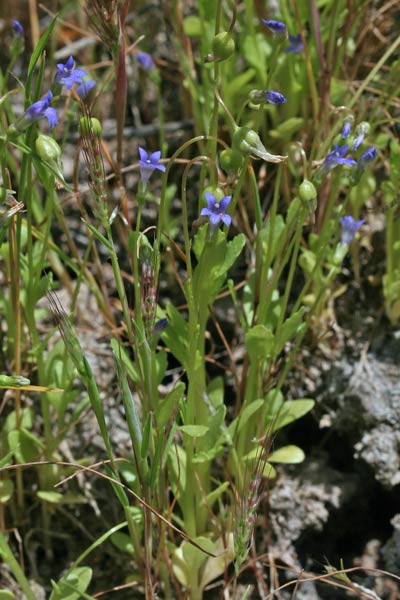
x=38, y=51
x=194, y=430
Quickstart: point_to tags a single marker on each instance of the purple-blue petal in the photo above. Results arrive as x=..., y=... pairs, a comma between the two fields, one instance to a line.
x=85, y=87
x=275, y=26
x=145, y=60
x=214, y=218
x=224, y=203
x=206, y=212
x=17, y=27
x=296, y=44
x=275, y=97
x=69, y=64
x=155, y=157
x=51, y=116
x=143, y=154
x=227, y=219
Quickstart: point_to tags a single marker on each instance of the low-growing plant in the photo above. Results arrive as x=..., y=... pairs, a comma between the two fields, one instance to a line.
x=208, y=309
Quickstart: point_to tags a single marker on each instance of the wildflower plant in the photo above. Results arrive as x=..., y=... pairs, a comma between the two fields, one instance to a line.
x=204, y=319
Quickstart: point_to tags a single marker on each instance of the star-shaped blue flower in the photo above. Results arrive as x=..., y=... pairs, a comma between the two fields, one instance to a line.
x=41, y=109
x=67, y=75
x=296, y=44
x=216, y=210
x=85, y=88
x=149, y=163
x=337, y=157
x=349, y=229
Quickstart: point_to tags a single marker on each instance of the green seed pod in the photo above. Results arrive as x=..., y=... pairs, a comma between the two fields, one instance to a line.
x=307, y=191
x=223, y=45
x=90, y=125
x=47, y=148
x=215, y=191
x=230, y=160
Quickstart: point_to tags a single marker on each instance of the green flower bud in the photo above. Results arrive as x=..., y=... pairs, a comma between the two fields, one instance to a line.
x=307, y=191
x=340, y=252
x=47, y=148
x=223, y=45
x=215, y=191
x=89, y=126
x=230, y=160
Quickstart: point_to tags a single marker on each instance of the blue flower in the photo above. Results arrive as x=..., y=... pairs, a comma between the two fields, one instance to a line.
x=263, y=96
x=149, y=163
x=296, y=44
x=274, y=97
x=216, y=211
x=145, y=61
x=337, y=157
x=17, y=27
x=367, y=157
x=362, y=130
x=67, y=75
x=276, y=27
x=349, y=229
x=41, y=109
x=346, y=129
x=85, y=88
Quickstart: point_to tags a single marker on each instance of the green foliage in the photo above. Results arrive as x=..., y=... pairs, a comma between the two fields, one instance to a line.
x=203, y=390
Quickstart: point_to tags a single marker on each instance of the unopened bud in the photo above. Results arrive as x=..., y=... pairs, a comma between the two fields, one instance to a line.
x=223, y=45
x=307, y=191
x=47, y=148
x=89, y=126
x=230, y=160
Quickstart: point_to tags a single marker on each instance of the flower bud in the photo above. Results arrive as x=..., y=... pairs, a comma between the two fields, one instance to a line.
x=230, y=160
x=215, y=191
x=223, y=45
x=47, y=148
x=247, y=141
x=89, y=126
x=307, y=191
x=266, y=97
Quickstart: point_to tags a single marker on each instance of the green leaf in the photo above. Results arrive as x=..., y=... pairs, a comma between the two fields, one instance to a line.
x=38, y=51
x=215, y=566
x=72, y=585
x=176, y=335
x=259, y=343
x=168, y=406
x=216, y=259
x=6, y=490
x=24, y=449
x=288, y=128
x=215, y=494
x=123, y=542
x=194, y=430
x=291, y=411
x=6, y=595
x=216, y=425
x=99, y=236
x=287, y=454
x=239, y=85
x=58, y=498
x=147, y=435
x=289, y=329
x=216, y=389
x=240, y=421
